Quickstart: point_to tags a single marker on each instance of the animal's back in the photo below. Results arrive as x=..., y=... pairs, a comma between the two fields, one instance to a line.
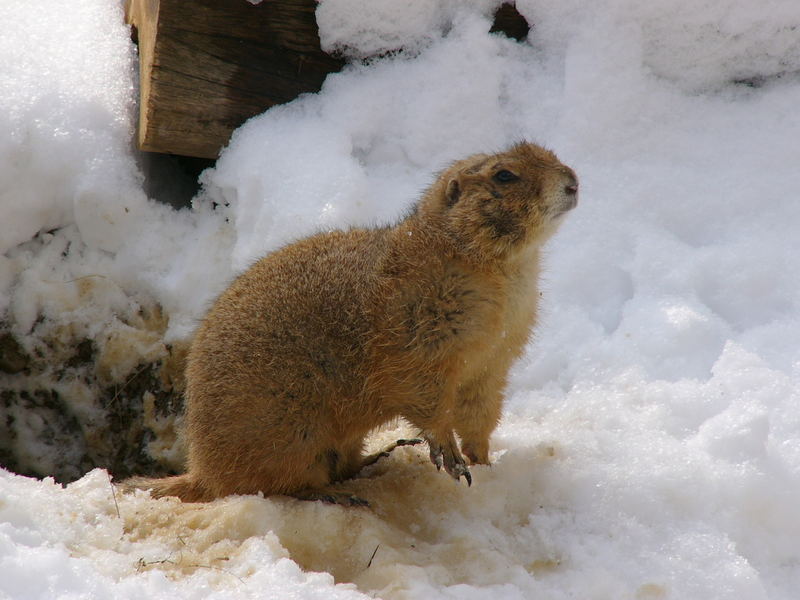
x=300, y=307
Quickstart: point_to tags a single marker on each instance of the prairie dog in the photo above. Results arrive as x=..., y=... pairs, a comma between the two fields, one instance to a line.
x=326, y=339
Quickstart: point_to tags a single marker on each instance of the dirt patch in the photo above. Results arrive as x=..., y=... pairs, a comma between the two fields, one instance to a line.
x=69, y=403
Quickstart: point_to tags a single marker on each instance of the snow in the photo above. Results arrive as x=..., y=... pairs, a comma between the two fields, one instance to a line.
x=650, y=446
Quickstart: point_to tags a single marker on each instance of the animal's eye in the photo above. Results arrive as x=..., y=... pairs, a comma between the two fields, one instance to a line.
x=504, y=176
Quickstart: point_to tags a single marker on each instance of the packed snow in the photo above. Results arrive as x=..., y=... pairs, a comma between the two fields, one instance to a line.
x=650, y=446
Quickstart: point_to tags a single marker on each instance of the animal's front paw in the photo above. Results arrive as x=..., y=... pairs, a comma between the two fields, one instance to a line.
x=446, y=454
x=476, y=452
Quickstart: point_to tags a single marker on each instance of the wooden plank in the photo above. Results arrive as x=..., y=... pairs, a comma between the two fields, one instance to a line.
x=206, y=66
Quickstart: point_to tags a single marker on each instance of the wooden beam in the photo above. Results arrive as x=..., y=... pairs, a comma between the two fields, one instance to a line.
x=206, y=66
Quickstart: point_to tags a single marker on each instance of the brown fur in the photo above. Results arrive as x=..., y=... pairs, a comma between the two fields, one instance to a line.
x=332, y=336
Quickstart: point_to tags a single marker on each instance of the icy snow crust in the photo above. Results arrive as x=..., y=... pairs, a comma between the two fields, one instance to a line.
x=651, y=443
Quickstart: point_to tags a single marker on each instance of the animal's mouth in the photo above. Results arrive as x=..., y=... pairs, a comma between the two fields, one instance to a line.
x=566, y=205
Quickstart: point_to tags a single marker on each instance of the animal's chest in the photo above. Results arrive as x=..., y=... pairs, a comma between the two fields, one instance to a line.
x=522, y=304
x=457, y=318
x=506, y=329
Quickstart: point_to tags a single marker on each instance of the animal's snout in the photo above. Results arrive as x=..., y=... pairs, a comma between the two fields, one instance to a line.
x=570, y=197
x=571, y=187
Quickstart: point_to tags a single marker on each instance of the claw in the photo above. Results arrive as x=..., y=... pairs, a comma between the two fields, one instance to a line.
x=373, y=458
x=409, y=442
x=436, y=457
x=448, y=456
x=456, y=470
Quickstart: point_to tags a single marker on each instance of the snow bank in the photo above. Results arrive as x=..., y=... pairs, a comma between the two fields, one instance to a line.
x=650, y=443
x=65, y=120
x=699, y=45
x=364, y=29
x=67, y=95
x=81, y=541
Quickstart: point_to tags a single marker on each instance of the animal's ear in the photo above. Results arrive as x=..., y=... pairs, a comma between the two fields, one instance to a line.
x=453, y=192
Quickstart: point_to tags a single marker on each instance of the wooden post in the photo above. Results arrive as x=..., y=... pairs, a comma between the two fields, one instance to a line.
x=206, y=66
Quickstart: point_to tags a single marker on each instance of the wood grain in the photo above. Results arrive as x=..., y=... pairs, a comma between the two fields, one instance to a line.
x=206, y=66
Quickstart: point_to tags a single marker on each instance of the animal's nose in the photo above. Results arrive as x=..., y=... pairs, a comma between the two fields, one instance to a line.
x=571, y=189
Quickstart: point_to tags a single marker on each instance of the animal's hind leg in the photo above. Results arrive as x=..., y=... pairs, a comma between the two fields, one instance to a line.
x=333, y=465
x=344, y=462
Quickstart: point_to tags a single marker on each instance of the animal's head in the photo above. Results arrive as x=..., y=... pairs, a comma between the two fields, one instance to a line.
x=496, y=203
